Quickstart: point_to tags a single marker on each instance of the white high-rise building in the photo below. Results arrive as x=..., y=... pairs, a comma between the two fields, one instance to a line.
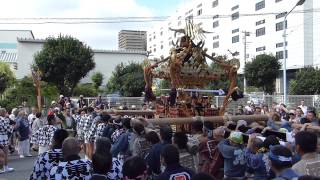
x=261, y=19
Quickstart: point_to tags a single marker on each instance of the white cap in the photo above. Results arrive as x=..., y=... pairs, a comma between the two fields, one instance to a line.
x=53, y=102
x=81, y=95
x=61, y=96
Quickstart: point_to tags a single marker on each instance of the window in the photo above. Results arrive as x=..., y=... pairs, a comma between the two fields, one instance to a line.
x=179, y=23
x=235, y=39
x=278, y=1
x=281, y=44
x=280, y=15
x=260, y=5
x=161, y=47
x=150, y=39
x=215, y=24
x=199, y=5
x=279, y=54
x=215, y=3
x=260, y=22
x=215, y=44
x=279, y=26
x=154, y=37
x=235, y=30
x=260, y=32
x=190, y=17
x=235, y=7
x=235, y=16
x=154, y=49
x=161, y=33
x=260, y=48
x=199, y=12
x=215, y=37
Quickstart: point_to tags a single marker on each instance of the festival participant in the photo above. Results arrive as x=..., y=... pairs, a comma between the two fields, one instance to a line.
x=43, y=137
x=119, y=129
x=86, y=128
x=5, y=128
x=153, y=159
x=61, y=102
x=256, y=163
x=173, y=170
x=310, y=118
x=135, y=168
x=186, y=159
x=232, y=151
x=121, y=147
x=72, y=166
x=23, y=132
x=101, y=165
x=306, y=147
x=50, y=158
x=281, y=162
x=140, y=145
x=102, y=147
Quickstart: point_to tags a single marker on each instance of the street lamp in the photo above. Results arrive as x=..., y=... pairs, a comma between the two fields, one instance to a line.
x=299, y=3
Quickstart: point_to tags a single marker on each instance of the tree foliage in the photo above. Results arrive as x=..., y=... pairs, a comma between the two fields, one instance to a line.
x=97, y=79
x=307, y=82
x=24, y=90
x=6, y=77
x=128, y=80
x=85, y=90
x=64, y=61
x=262, y=71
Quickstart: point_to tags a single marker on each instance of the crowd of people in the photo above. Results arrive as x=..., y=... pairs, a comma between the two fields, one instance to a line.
x=82, y=141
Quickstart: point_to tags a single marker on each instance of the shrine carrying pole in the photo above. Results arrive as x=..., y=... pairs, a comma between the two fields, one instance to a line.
x=213, y=119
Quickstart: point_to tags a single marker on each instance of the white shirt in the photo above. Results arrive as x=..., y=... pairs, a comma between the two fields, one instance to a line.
x=31, y=117
x=304, y=109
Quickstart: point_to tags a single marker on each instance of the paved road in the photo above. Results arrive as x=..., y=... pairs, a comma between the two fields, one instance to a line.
x=22, y=167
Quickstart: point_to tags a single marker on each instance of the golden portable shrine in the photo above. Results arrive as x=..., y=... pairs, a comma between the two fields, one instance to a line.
x=186, y=67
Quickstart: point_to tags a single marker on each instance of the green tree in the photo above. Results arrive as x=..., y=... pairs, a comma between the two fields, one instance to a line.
x=128, y=80
x=262, y=71
x=24, y=90
x=6, y=77
x=85, y=90
x=64, y=61
x=97, y=79
x=307, y=82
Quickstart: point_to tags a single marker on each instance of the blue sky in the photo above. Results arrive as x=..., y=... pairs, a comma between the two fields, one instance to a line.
x=161, y=7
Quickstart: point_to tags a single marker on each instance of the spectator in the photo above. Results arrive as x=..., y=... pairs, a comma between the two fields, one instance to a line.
x=61, y=102
x=152, y=137
x=275, y=117
x=72, y=166
x=256, y=162
x=153, y=160
x=5, y=128
x=23, y=133
x=121, y=145
x=81, y=102
x=186, y=159
x=135, y=168
x=306, y=147
x=208, y=129
x=43, y=137
x=173, y=170
x=101, y=165
x=303, y=107
x=202, y=176
x=140, y=145
x=233, y=153
x=50, y=158
x=37, y=123
x=281, y=162
x=32, y=116
x=103, y=146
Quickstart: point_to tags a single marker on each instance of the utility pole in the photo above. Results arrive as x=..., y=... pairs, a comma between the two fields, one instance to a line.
x=245, y=34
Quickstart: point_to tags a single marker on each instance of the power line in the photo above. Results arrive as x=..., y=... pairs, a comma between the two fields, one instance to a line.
x=113, y=20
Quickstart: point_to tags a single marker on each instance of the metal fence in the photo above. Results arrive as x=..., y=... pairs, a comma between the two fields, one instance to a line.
x=293, y=101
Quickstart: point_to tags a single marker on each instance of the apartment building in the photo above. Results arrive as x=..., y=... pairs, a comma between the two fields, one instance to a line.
x=132, y=40
x=251, y=26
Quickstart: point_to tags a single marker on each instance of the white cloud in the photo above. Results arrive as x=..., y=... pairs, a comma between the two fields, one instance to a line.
x=103, y=36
